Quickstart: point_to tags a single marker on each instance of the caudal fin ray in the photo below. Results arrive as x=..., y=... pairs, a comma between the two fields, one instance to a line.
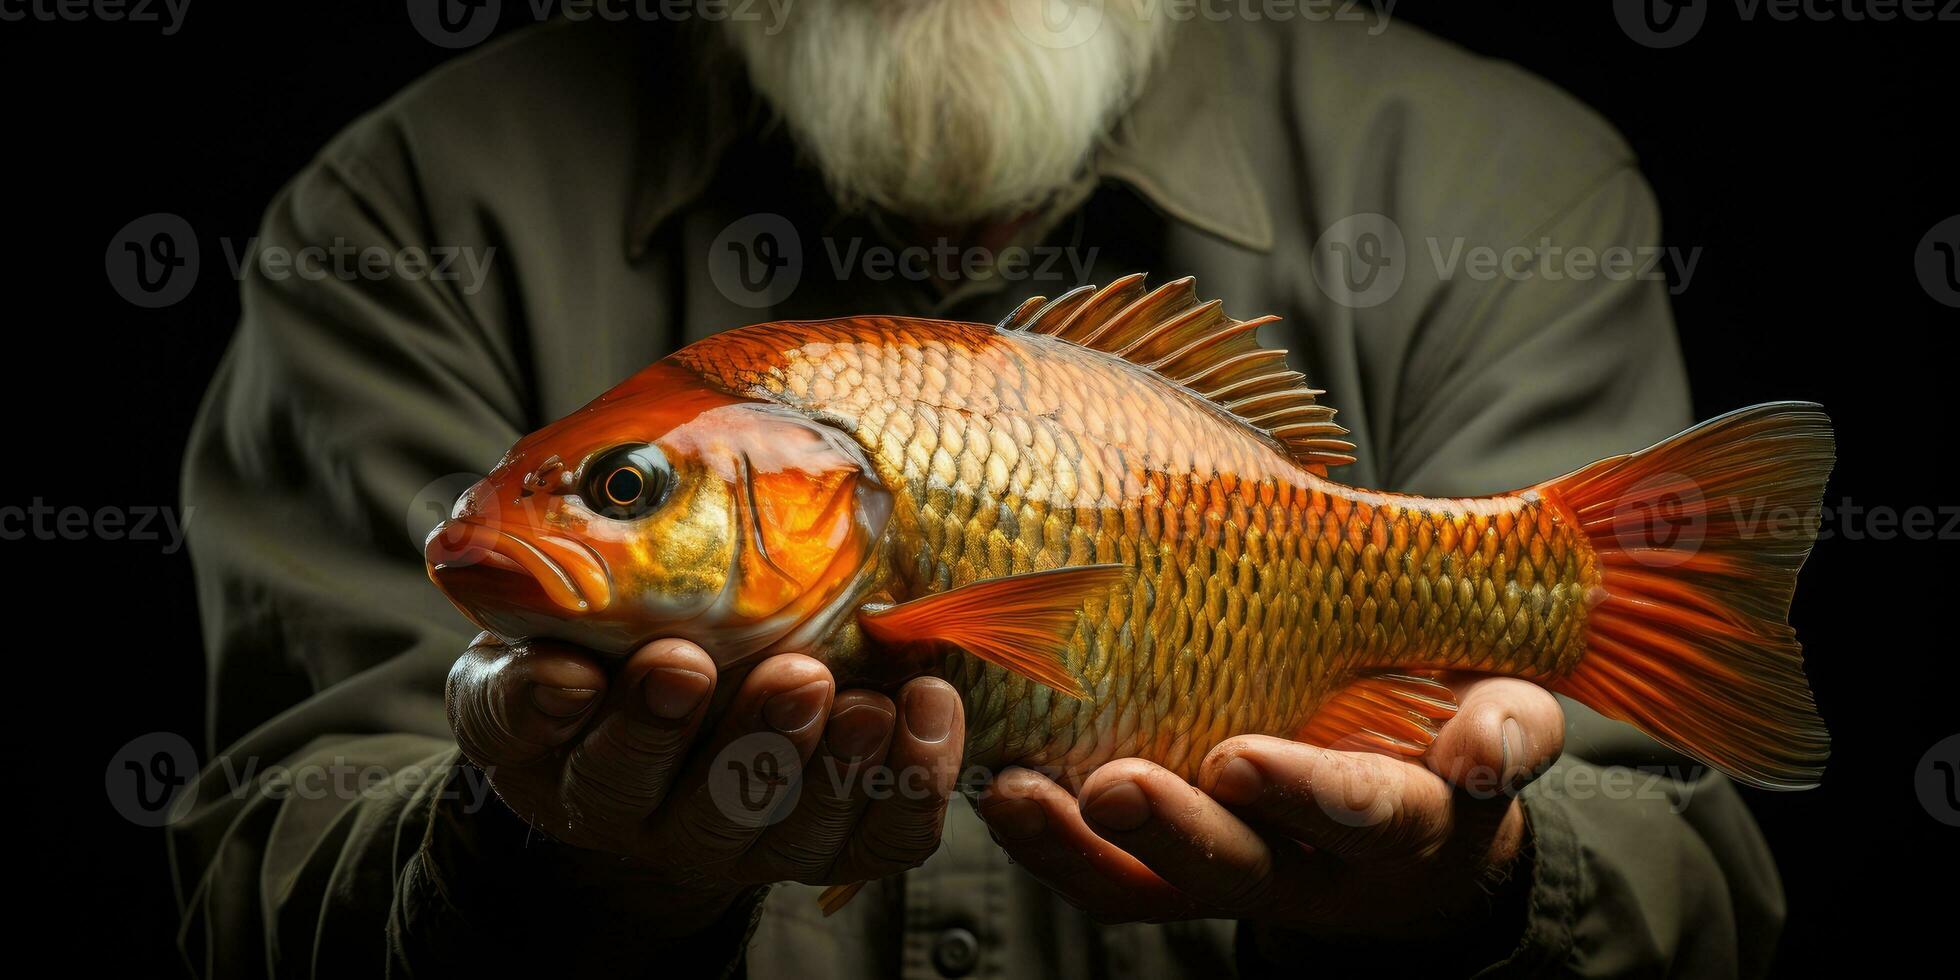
x=1699, y=540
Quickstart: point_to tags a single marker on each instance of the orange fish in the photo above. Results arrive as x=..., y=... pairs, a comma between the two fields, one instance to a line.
x=1108, y=522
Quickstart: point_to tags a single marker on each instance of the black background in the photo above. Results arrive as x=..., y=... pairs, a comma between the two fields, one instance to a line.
x=1806, y=159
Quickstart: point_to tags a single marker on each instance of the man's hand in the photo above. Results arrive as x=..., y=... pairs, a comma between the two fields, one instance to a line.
x=616, y=759
x=1325, y=842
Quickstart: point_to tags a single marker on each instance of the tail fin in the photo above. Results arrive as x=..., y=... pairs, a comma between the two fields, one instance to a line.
x=1699, y=539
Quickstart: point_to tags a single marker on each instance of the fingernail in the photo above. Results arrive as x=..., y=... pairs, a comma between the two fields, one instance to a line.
x=673, y=693
x=1015, y=819
x=929, y=712
x=561, y=702
x=1120, y=807
x=793, y=711
x=1239, y=782
x=857, y=731
x=1514, y=772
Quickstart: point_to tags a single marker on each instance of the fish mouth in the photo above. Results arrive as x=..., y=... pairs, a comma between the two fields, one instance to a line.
x=485, y=568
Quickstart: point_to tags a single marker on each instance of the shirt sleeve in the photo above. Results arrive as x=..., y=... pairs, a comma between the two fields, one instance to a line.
x=350, y=408
x=1642, y=862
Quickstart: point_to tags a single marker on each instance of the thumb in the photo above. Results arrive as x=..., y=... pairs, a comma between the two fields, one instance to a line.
x=511, y=706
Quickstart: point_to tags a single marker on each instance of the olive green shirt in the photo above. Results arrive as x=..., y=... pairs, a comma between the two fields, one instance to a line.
x=624, y=194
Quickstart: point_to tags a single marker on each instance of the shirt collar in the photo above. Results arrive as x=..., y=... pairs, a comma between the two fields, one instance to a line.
x=1181, y=146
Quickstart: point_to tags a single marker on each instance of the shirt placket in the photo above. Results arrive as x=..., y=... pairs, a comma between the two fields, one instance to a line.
x=955, y=908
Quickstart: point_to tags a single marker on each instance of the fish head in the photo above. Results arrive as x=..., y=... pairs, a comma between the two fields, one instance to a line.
x=667, y=508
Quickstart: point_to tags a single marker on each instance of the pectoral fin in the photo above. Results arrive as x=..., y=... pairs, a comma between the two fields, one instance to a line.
x=1021, y=622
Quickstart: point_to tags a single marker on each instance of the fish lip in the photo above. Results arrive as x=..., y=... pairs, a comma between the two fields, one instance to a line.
x=567, y=571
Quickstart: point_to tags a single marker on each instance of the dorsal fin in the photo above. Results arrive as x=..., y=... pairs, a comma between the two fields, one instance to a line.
x=1194, y=344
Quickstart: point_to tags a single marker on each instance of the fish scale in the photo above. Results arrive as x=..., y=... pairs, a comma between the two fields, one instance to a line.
x=1261, y=588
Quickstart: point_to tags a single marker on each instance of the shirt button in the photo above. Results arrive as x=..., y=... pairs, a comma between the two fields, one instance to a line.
x=956, y=952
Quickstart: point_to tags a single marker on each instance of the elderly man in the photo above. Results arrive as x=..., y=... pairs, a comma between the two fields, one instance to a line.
x=642, y=185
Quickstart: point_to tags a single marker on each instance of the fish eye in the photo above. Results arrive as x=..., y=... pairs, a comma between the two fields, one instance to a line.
x=627, y=481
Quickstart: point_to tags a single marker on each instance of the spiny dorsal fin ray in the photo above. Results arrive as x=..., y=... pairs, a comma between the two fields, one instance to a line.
x=1196, y=345
x=1024, y=313
x=1098, y=311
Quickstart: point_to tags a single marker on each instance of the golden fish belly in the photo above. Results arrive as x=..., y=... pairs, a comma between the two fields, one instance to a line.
x=1260, y=588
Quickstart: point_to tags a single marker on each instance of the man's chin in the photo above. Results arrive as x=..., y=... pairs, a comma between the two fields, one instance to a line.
x=948, y=113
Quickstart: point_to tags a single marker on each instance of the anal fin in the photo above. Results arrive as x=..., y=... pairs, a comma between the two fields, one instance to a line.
x=1391, y=712
x=1019, y=622
x=837, y=896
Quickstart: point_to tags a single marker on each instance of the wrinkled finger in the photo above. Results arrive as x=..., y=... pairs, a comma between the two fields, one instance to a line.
x=1506, y=731
x=512, y=706
x=1194, y=844
x=1040, y=826
x=807, y=844
x=733, y=785
x=900, y=826
x=1353, y=804
x=621, y=770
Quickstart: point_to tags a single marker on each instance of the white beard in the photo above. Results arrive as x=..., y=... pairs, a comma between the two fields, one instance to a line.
x=950, y=111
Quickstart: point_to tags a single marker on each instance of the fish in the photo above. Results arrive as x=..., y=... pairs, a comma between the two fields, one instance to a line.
x=1109, y=522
